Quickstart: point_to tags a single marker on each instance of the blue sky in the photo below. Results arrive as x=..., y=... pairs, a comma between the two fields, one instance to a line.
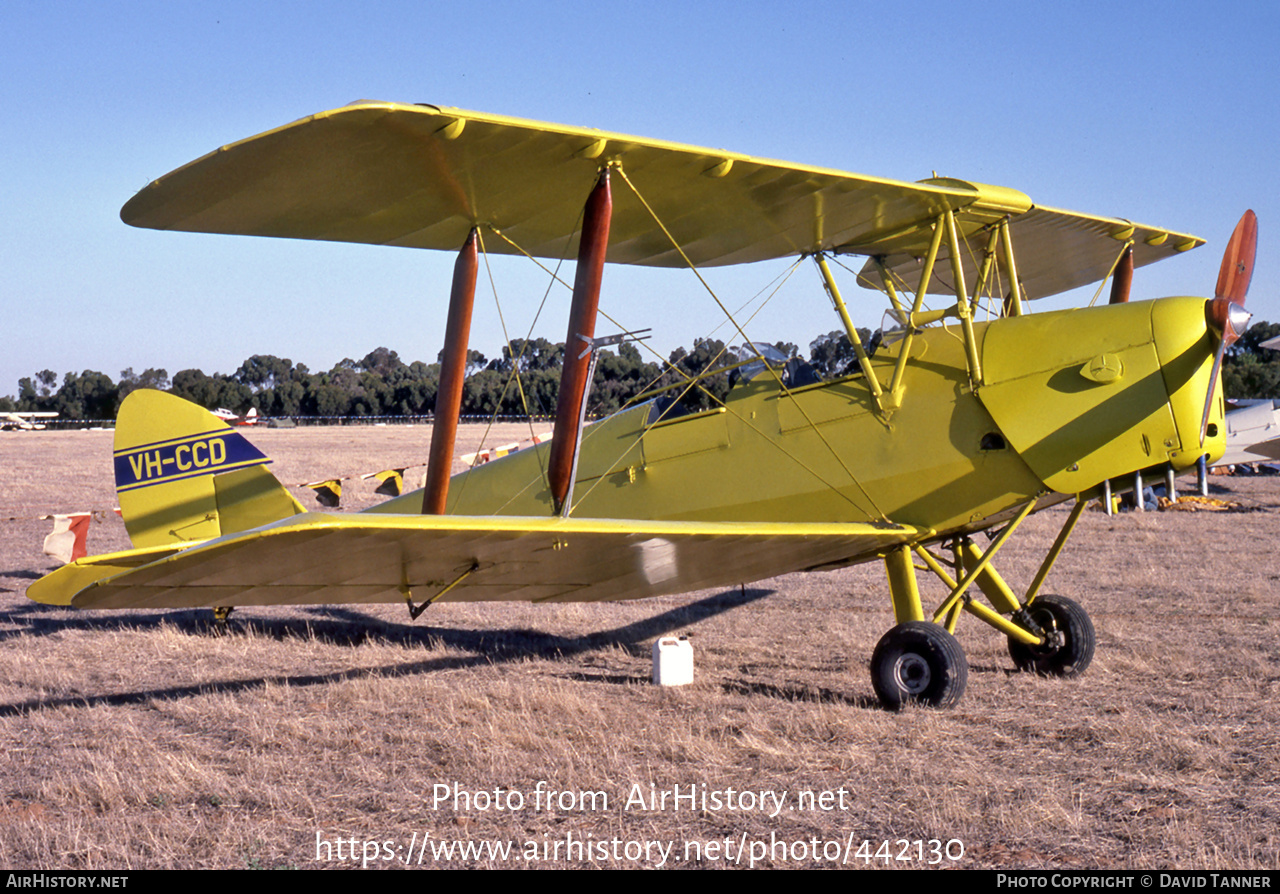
x=1161, y=113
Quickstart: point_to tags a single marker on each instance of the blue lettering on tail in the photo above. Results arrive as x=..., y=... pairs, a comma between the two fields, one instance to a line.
x=208, y=453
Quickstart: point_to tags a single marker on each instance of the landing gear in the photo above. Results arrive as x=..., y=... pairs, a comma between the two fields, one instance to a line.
x=220, y=615
x=1069, y=639
x=919, y=662
x=922, y=662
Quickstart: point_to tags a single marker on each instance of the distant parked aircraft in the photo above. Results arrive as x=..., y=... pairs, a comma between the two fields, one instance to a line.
x=22, y=421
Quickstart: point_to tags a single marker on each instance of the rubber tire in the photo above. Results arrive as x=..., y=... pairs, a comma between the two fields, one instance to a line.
x=921, y=663
x=1072, y=655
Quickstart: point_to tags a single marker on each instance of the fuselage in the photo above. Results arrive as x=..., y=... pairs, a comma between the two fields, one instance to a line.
x=1066, y=400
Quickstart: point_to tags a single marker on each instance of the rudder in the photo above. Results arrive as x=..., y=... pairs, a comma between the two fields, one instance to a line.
x=184, y=475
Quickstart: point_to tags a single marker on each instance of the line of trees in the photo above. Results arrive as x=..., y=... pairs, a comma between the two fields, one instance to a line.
x=381, y=384
x=1250, y=371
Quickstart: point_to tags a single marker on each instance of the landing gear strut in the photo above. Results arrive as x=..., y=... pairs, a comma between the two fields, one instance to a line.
x=920, y=659
x=220, y=615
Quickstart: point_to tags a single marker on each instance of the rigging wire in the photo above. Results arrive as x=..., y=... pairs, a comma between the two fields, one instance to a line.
x=691, y=382
x=782, y=387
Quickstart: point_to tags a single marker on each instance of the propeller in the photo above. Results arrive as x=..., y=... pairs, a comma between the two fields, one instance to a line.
x=1225, y=313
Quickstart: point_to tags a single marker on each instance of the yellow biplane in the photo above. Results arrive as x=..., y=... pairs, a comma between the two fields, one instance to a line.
x=966, y=415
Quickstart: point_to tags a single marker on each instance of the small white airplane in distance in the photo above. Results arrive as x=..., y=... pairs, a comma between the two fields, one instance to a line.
x=21, y=421
x=1253, y=427
x=230, y=418
x=1253, y=433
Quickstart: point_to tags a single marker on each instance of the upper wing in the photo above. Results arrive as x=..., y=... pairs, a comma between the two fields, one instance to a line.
x=422, y=176
x=318, y=558
x=1056, y=251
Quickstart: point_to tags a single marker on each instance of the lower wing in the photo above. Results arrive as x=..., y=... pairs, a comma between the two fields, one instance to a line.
x=317, y=558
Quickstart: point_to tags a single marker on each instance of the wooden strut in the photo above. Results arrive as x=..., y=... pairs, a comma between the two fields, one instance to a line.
x=575, y=376
x=1122, y=278
x=453, y=371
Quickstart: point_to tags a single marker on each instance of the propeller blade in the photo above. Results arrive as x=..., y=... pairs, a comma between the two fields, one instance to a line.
x=1226, y=312
x=1122, y=279
x=1237, y=260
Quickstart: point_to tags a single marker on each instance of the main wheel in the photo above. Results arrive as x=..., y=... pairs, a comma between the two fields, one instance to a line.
x=1070, y=643
x=918, y=662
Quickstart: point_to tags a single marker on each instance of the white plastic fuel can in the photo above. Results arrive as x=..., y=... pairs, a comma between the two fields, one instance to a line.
x=672, y=661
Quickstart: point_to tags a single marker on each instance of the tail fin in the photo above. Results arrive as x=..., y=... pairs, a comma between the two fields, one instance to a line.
x=182, y=474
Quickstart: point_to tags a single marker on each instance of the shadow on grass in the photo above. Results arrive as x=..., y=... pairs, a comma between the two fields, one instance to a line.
x=798, y=693
x=335, y=626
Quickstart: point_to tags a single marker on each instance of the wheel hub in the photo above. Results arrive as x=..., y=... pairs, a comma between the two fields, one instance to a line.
x=912, y=673
x=1068, y=635
x=1053, y=636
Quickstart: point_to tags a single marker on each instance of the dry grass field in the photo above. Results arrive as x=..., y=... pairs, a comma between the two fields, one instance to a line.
x=309, y=737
